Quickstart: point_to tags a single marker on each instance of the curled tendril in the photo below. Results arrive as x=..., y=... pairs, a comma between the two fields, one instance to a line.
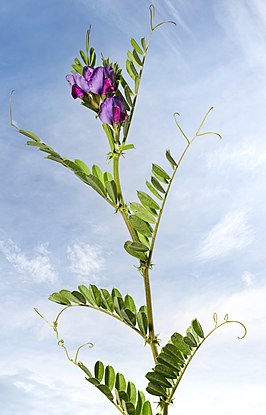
x=152, y=15
x=61, y=342
x=226, y=321
x=215, y=318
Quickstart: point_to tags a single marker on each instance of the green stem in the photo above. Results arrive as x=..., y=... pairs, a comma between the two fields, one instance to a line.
x=152, y=337
x=125, y=215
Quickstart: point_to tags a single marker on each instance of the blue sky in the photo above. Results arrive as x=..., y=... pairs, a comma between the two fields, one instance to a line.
x=55, y=233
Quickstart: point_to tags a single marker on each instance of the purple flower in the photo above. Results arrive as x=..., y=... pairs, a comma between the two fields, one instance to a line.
x=79, y=85
x=112, y=111
x=100, y=79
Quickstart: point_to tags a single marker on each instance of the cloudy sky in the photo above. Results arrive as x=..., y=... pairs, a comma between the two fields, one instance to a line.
x=57, y=233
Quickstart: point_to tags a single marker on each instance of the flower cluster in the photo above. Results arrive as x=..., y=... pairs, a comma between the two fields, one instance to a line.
x=96, y=87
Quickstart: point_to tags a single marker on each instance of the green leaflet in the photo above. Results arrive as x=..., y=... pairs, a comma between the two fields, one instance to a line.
x=160, y=178
x=165, y=371
x=107, y=300
x=143, y=44
x=96, y=295
x=97, y=172
x=128, y=147
x=136, y=249
x=153, y=190
x=170, y=159
x=137, y=58
x=137, y=83
x=99, y=370
x=130, y=304
x=147, y=200
x=129, y=316
x=142, y=321
x=83, y=57
x=190, y=340
x=130, y=408
x=132, y=57
x=140, y=225
x=69, y=296
x=197, y=327
x=178, y=340
x=147, y=408
x=131, y=70
x=119, y=305
x=77, y=68
x=92, y=59
x=80, y=297
x=157, y=184
x=59, y=298
x=158, y=378
x=96, y=184
x=30, y=134
x=159, y=171
x=111, y=190
x=106, y=391
x=142, y=213
x=132, y=392
x=120, y=382
x=140, y=402
x=136, y=46
x=168, y=360
x=77, y=62
x=128, y=95
x=107, y=177
x=87, y=294
x=109, y=377
x=156, y=389
x=83, y=166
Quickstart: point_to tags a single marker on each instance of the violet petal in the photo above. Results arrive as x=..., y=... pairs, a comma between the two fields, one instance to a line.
x=96, y=81
x=106, y=111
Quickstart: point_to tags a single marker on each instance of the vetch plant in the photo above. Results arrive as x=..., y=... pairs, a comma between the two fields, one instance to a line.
x=112, y=96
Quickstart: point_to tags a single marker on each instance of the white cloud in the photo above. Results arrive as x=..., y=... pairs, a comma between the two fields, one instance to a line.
x=230, y=234
x=85, y=258
x=27, y=387
x=39, y=267
x=248, y=278
x=245, y=23
x=248, y=156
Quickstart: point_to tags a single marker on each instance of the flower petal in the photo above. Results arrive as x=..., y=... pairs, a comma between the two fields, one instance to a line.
x=107, y=87
x=87, y=71
x=109, y=73
x=81, y=82
x=77, y=92
x=96, y=81
x=70, y=79
x=106, y=113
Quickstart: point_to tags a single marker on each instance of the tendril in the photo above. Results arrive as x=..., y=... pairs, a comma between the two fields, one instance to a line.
x=61, y=342
x=152, y=15
x=226, y=321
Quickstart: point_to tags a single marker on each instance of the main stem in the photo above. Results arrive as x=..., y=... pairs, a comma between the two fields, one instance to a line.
x=124, y=212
